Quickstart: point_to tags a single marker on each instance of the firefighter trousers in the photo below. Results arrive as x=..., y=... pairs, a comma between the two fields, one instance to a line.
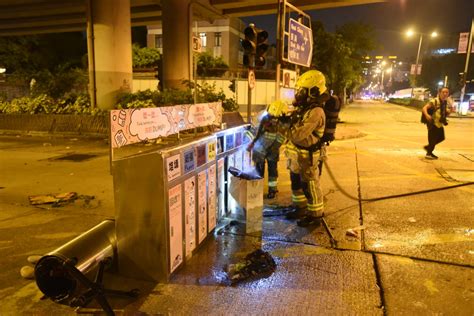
x=272, y=172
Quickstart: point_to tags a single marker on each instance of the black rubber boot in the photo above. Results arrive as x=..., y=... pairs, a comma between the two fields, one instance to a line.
x=271, y=193
x=309, y=220
x=297, y=213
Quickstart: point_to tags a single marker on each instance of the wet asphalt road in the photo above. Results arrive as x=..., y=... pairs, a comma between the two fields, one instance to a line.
x=410, y=255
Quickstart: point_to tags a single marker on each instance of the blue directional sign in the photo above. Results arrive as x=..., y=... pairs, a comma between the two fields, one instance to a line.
x=300, y=44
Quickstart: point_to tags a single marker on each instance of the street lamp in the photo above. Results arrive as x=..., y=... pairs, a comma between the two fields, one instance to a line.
x=410, y=33
x=389, y=71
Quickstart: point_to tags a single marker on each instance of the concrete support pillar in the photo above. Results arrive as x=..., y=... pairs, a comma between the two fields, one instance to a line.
x=110, y=48
x=176, y=43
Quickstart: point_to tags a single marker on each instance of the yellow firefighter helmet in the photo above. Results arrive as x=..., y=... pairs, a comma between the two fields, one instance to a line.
x=277, y=108
x=313, y=82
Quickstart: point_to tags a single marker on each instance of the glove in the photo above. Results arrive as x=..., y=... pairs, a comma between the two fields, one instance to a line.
x=250, y=146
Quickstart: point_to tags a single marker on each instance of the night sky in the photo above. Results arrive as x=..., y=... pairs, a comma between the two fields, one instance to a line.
x=392, y=18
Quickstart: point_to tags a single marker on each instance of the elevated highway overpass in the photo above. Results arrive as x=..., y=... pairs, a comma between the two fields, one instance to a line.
x=108, y=25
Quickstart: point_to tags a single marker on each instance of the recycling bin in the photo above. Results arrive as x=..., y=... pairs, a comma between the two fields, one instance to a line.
x=170, y=191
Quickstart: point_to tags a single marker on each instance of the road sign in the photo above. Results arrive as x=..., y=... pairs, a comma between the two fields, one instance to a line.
x=251, y=79
x=413, y=67
x=197, y=44
x=289, y=78
x=300, y=44
x=463, y=42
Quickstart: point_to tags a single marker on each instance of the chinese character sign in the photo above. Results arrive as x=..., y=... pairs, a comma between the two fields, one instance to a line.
x=300, y=44
x=173, y=167
x=136, y=125
x=175, y=227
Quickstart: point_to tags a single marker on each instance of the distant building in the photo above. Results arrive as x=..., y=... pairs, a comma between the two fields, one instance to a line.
x=221, y=38
x=383, y=74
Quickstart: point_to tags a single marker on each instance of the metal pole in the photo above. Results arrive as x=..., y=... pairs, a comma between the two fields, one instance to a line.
x=381, y=85
x=446, y=81
x=416, y=65
x=466, y=66
x=279, y=47
x=194, y=61
x=91, y=55
x=249, y=103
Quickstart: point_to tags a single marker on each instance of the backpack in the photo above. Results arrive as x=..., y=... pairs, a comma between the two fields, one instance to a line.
x=430, y=112
x=332, y=107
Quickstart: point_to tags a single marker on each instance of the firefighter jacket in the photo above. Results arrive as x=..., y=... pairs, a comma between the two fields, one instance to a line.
x=268, y=140
x=302, y=150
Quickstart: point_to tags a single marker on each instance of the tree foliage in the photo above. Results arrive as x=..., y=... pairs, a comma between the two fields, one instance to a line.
x=143, y=57
x=210, y=66
x=54, y=61
x=203, y=92
x=338, y=55
x=435, y=68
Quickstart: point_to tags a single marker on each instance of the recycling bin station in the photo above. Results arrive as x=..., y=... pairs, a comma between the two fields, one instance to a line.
x=171, y=189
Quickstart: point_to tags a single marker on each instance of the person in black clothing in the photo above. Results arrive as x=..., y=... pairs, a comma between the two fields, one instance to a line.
x=434, y=116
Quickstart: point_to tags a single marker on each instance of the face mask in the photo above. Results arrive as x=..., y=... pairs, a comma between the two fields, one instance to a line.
x=301, y=95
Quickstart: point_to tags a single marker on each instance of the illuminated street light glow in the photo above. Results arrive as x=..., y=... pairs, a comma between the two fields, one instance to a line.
x=440, y=83
x=410, y=33
x=2, y=70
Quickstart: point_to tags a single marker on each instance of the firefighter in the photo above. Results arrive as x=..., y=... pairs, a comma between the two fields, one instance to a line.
x=303, y=150
x=266, y=145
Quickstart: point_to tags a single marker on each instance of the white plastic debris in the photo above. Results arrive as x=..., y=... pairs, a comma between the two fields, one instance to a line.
x=33, y=259
x=27, y=272
x=352, y=233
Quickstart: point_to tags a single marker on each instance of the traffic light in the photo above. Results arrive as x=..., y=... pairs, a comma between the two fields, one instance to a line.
x=249, y=45
x=261, y=49
x=255, y=46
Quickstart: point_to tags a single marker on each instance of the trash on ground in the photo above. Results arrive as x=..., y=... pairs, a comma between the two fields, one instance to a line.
x=55, y=199
x=352, y=233
x=256, y=264
x=412, y=220
x=27, y=272
x=246, y=175
x=34, y=259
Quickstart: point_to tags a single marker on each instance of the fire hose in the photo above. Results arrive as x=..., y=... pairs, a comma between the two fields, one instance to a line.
x=344, y=192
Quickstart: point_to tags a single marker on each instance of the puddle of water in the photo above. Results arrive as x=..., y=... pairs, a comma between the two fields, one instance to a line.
x=74, y=157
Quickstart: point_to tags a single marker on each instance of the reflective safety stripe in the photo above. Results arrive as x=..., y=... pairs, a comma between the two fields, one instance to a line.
x=316, y=203
x=249, y=134
x=298, y=198
x=273, y=183
x=281, y=138
x=270, y=136
x=315, y=207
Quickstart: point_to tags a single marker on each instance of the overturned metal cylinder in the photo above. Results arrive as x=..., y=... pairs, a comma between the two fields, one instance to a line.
x=85, y=252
